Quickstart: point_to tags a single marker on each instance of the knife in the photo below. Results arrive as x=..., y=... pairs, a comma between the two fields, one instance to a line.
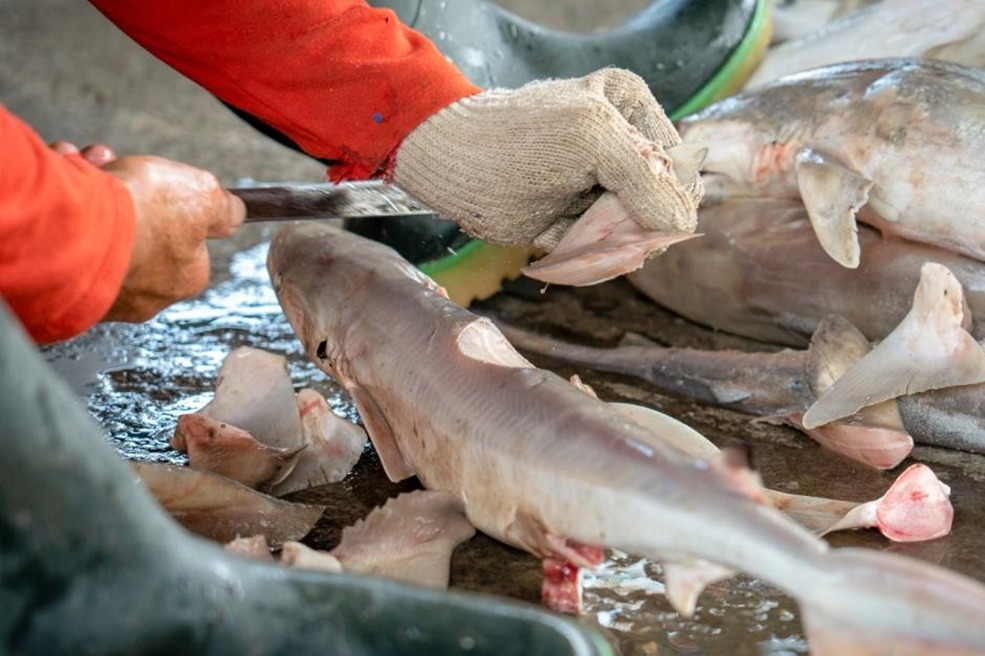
x=354, y=200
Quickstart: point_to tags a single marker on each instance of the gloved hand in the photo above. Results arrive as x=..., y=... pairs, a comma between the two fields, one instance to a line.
x=520, y=166
x=178, y=208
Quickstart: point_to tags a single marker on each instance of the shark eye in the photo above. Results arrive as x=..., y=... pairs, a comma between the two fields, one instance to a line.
x=322, y=350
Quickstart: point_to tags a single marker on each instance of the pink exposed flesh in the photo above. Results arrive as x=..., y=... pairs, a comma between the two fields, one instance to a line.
x=916, y=507
x=561, y=589
x=876, y=446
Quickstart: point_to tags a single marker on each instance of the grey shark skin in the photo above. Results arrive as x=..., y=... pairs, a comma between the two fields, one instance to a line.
x=541, y=466
x=90, y=564
x=758, y=271
x=898, y=140
x=764, y=384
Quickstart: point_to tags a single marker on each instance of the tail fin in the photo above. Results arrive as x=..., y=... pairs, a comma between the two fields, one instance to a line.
x=879, y=603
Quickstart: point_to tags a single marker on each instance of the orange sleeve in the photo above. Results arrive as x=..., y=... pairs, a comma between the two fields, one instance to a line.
x=66, y=234
x=344, y=81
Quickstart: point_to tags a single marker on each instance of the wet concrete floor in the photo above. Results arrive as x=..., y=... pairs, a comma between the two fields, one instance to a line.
x=72, y=75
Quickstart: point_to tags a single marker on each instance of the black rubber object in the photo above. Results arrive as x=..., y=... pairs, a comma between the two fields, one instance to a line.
x=677, y=46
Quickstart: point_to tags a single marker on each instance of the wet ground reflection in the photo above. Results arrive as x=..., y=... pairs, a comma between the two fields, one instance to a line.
x=138, y=378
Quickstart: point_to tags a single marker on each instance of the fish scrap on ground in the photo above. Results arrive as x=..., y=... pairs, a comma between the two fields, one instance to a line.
x=894, y=143
x=541, y=466
x=948, y=30
x=257, y=431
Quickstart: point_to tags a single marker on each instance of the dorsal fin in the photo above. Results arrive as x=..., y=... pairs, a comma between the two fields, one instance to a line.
x=930, y=349
x=832, y=194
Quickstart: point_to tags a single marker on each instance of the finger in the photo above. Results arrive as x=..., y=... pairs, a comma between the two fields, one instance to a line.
x=630, y=95
x=641, y=175
x=63, y=147
x=99, y=154
x=229, y=214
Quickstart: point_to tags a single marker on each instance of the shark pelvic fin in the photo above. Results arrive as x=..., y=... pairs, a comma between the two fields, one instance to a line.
x=686, y=579
x=832, y=195
x=930, y=349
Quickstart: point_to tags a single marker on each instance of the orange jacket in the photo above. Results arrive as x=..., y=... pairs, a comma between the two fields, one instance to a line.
x=346, y=82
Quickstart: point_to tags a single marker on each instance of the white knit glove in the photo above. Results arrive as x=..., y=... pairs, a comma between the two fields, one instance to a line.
x=520, y=166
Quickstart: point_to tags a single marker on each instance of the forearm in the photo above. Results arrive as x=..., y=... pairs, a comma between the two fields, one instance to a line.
x=66, y=234
x=345, y=81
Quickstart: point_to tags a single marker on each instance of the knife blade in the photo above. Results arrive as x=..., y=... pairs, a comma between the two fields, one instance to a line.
x=302, y=201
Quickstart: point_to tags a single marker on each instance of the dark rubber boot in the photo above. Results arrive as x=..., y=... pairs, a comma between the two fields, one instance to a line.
x=684, y=49
x=90, y=564
x=690, y=52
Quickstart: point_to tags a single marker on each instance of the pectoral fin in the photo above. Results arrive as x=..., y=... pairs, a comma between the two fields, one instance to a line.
x=381, y=434
x=664, y=430
x=832, y=195
x=603, y=244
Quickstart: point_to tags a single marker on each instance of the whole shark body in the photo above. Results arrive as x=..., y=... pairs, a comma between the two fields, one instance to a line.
x=895, y=143
x=540, y=465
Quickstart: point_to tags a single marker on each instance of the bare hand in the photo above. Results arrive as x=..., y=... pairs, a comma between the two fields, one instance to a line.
x=178, y=208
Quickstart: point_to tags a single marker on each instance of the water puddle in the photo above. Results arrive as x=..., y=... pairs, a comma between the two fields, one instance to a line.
x=137, y=379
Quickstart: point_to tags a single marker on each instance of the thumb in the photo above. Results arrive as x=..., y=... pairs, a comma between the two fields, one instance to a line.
x=229, y=212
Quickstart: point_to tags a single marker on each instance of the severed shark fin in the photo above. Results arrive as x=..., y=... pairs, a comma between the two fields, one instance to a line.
x=603, y=244
x=686, y=160
x=410, y=538
x=832, y=195
x=332, y=445
x=875, y=435
x=221, y=509
x=916, y=507
x=229, y=451
x=253, y=391
x=930, y=349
